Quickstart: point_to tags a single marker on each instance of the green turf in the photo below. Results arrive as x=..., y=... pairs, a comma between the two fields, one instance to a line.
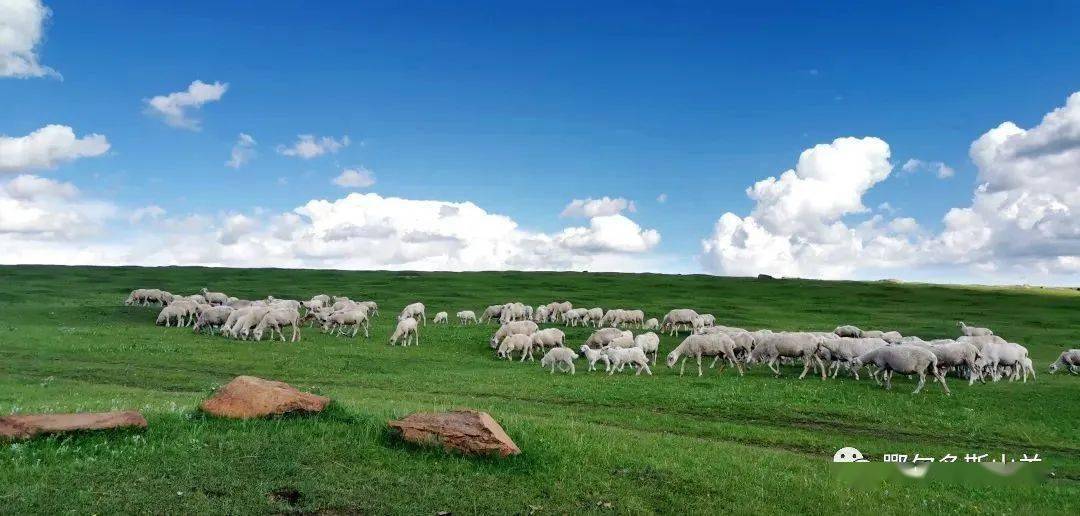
x=665, y=443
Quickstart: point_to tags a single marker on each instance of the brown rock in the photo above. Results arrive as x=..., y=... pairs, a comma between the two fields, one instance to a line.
x=247, y=397
x=467, y=431
x=32, y=425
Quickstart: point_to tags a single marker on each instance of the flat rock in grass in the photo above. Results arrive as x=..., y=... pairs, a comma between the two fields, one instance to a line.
x=467, y=431
x=27, y=426
x=247, y=397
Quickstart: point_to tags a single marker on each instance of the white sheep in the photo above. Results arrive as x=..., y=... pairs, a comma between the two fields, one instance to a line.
x=212, y=318
x=514, y=328
x=848, y=330
x=275, y=319
x=440, y=318
x=714, y=345
x=465, y=316
x=972, y=331
x=247, y=320
x=625, y=340
x=633, y=356
x=215, y=298
x=770, y=348
x=542, y=314
x=492, y=312
x=356, y=318
x=175, y=311
x=549, y=338
x=1069, y=359
x=561, y=357
x=516, y=342
x=415, y=311
x=995, y=355
x=904, y=359
x=651, y=324
x=649, y=343
x=842, y=350
x=676, y=318
x=603, y=336
x=512, y=312
x=952, y=354
x=574, y=317
x=612, y=317
x=593, y=316
x=593, y=356
x=406, y=329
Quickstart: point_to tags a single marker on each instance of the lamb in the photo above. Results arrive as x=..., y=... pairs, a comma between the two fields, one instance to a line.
x=465, y=316
x=772, y=347
x=212, y=318
x=677, y=317
x=516, y=342
x=440, y=318
x=275, y=319
x=514, y=328
x=356, y=318
x=715, y=345
x=416, y=311
x=214, y=298
x=561, y=357
x=1069, y=359
x=973, y=331
x=603, y=336
x=549, y=338
x=651, y=324
x=594, y=355
x=903, y=360
x=952, y=354
x=649, y=343
x=406, y=328
x=848, y=331
x=620, y=357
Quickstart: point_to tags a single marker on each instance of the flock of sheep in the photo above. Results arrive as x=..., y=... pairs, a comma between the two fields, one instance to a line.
x=974, y=355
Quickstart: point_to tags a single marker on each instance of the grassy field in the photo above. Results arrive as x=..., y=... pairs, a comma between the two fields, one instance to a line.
x=665, y=443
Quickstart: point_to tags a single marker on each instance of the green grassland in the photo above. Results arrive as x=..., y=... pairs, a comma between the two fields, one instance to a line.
x=590, y=443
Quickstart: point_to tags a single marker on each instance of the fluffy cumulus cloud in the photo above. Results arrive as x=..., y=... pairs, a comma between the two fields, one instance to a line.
x=355, y=178
x=941, y=170
x=608, y=233
x=47, y=148
x=307, y=146
x=1025, y=214
x=243, y=151
x=37, y=209
x=796, y=227
x=597, y=207
x=176, y=108
x=22, y=29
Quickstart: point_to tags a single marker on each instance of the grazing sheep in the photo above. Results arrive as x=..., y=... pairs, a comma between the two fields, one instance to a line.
x=1069, y=359
x=651, y=324
x=213, y=318
x=770, y=348
x=549, y=338
x=676, y=318
x=649, y=343
x=415, y=311
x=561, y=357
x=903, y=360
x=892, y=337
x=593, y=316
x=514, y=328
x=275, y=319
x=848, y=331
x=708, y=319
x=356, y=318
x=575, y=316
x=603, y=336
x=713, y=345
x=557, y=309
x=620, y=357
x=214, y=298
x=542, y=314
x=516, y=342
x=246, y=321
x=952, y=354
x=440, y=318
x=612, y=317
x=465, y=316
x=973, y=331
x=492, y=312
x=594, y=355
x=406, y=329
x=175, y=311
x=626, y=340
x=512, y=312
x=137, y=296
x=371, y=306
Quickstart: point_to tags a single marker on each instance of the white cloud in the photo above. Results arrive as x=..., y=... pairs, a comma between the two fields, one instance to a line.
x=609, y=233
x=597, y=207
x=175, y=108
x=242, y=151
x=308, y=147
x=41, y=209
x=22, y=28
x=149, y=212
x=662, y=198
x=941, y=170
x=48, y=147
x=355, y=178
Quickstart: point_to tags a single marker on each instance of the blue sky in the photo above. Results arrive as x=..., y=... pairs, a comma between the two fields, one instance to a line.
x=522, y=108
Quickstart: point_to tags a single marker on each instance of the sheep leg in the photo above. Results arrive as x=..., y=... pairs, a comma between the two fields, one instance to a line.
x=805, y=368
x=817, y=359
x=682, y=366
x=922, y=381
x=888, y=380
x=713, y=364
x=699, y=373
x=644, y=365
x=772, y=366
x=941, y=378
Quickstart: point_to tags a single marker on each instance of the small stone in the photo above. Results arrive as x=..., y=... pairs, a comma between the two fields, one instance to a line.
x=247, y=397
x=467, y=431
x=31, y=425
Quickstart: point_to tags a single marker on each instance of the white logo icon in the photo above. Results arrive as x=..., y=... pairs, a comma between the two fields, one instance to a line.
x=848, y=454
